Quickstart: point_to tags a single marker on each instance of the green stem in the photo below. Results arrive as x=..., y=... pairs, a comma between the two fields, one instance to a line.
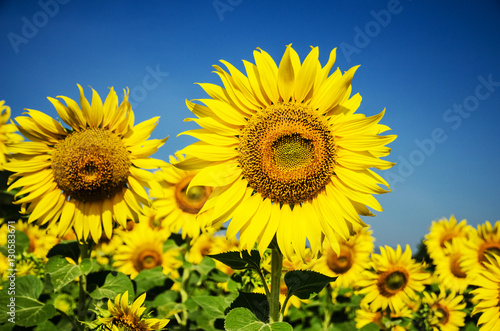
x=274, y=299
x=82, y=296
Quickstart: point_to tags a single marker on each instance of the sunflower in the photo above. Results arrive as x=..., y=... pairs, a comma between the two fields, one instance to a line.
x=125, y=317
x=445, y=311
x=395, y=281
x=483, y=242
x=208, y=244
x=41, y=240
x=142, y=248
x=385, y=319
x=443, y=231
x=176, y=207
x=285, y=153
x=87, y=175
x=7, y=133
x=450, y=275
x=488, y=294
x=349, y=264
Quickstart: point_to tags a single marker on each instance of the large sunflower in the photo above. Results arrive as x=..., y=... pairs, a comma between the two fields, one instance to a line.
x=488, y=294
x=89, y=174
x=8, y=135
x=176, y=207
x=442, y=231
x=395, y=281
x=349, y=264
x=285, y=152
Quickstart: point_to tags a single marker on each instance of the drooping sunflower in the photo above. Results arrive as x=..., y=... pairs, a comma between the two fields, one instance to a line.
x=128, y=317
x=90, y=174
x=483, y=242
x=488, y=294
x=445, y=312
x=142, y=248
x=442, y=231
x=285, y=152
x=350, y=263
x=395, y=281
x=450, y=275
x=176, y=207
x=8, y=135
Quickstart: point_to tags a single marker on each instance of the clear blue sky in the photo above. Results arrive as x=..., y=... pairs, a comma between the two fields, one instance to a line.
x=435, y=67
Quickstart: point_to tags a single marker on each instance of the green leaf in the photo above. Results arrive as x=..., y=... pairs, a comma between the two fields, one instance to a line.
x=29, y=311
x=213, y=306
x=114, y=284
x=370, y=327
x=62, y=272
x=305, y=284
x=239, y=260
x=242, y=319
x=149, y=278
x=256, y=302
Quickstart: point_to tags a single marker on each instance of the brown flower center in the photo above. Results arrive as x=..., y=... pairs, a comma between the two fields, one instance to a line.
x=91, y=165
x=147, y=259
x=193, y=200
x=392, y=282
x=455, y=267
x=489, y=248
x=341, y=263
x=287, y=153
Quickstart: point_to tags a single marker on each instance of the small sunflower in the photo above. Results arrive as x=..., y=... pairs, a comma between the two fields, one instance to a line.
x=450, y=275
x=443, y=231
x=176, y=207
x=208, y=244
x=349, y=264
x=128, y=317
x=88, y=175
x=41, y=240
x=143, y=249
x=395, y=281
x=445, y=311
x=385, y=319
x=8, y=135
x=285, y=153
x=483, y=242
x=488, y=294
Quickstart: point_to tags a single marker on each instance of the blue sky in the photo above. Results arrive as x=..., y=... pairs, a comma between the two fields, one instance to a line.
x=435, y=67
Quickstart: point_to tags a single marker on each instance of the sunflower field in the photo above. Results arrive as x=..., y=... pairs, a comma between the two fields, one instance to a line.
x=257, y=226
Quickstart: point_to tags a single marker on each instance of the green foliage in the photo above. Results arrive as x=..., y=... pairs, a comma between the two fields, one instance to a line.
x=62, y=272
x=242, y=319
x=305, y=284
x=239, y=260
x=115, y=283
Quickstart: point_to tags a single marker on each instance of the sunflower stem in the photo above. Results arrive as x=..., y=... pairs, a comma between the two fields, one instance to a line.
x=274, y=299
x=82, y=296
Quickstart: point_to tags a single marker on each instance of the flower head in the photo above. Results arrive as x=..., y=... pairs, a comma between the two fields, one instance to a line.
x=176, y=207
x=142, y=248
x=488, y=294
x=285, y=153
x=126, y=317
x=8, y=135
x=395, y=281
x=445, y=312
x=89, y=175
x=443, y=231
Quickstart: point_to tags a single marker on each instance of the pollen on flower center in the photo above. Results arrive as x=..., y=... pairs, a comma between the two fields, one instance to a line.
x=392, y=282
x=193, y=200
x=287, y=153
x=147, y=259
x=91, y=165
x=341, y=263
